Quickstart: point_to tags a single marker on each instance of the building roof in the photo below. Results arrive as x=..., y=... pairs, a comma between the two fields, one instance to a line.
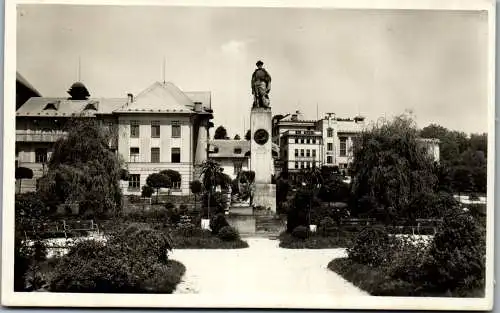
x=41, y=106
x=226, y=148
x=20, y=79
x=203, y=97
x=159, y=98
x=349, y=127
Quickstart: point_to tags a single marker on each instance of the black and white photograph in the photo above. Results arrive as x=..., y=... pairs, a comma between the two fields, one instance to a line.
x=247, y=155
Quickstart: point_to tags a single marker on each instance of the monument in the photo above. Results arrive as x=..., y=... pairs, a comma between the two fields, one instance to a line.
x=261, y=160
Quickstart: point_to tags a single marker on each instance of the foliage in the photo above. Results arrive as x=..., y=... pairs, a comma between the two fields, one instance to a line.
x=301, y=232
x=217, y=222
x=147, y=191
x=248, y=135
x=389, y=166
x=23, y=173
x=220, y=133
x=315, y=241
x=457, y=256
x=124, y=174
x=431, y=206
x=133, y=261
x=237, y=137
x=157, y=181
x=82, y=168
x=217, y=200
x=282, y=190
x=371, y=246
x=211, y=175
x=174, y=176
x=228, y=233
x=196, y=187
x=334, y=190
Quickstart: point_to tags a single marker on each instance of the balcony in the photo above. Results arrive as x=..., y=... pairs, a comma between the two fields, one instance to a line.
x=306, y=158
x=38, y=135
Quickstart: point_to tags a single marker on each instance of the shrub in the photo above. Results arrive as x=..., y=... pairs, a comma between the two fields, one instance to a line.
x=326, y=225
x=300, y=232
x=228, y=233
x=457, y=255
x=134, y=199
x=371, y=246
x=217, y=222
x=174, y=216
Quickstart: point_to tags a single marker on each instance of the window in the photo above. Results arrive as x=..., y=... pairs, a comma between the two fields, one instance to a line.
x=176, y=155
x=314, y=153
x=176, y=185
x=296, y=152
x=41, y=155
x=308, y=140
x=330, y=146
x=302, y=140
x=314, y=141
x=155, y=129
x=134, y=181
x=296, y=140
x=329, y=159
x=308, y=164
x=343, y=146
x=176, y=129
x=155, y=155
x=297, y=132
x=308, y=153
x=237, y=150
x=92, y=105
x=296, y=164
x=51, y=106
x=301, y=152
x=237, y=167
x=134, y=129
x=329, y=132
x=301, y=164
x=134, y=154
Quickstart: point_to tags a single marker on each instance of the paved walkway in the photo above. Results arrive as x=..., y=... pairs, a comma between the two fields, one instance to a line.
x=262, y=268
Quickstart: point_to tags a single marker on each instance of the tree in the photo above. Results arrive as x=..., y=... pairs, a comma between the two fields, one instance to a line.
x=174, y=176
x=157, y=181
x=147, y=191
x=211, y=172
x=237, y=137
x=124, y=174
x=389, y=166
x=248, y=135
x=83, y=169
x=220, y=133
x=23, y=173
x=196, y=187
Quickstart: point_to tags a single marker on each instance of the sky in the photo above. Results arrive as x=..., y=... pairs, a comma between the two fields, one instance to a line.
x=374, y=63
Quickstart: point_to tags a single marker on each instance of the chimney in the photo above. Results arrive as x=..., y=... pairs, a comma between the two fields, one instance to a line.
x=130, y=98
x=197, y=106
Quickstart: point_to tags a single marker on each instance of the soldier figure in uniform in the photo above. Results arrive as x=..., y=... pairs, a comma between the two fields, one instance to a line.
x=261, y=86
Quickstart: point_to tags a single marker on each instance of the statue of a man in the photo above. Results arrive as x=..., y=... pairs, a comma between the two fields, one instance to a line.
x=261, y=86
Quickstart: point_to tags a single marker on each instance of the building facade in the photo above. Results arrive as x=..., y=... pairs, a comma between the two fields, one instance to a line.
x=325, y=142
x=161, y=128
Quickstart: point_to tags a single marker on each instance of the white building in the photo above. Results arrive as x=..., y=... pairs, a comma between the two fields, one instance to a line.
x=161, y=128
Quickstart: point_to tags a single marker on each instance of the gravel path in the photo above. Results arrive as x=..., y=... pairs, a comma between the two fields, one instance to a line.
x=262, y=268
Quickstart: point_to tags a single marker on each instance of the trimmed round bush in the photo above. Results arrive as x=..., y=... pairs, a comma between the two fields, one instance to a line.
x=228, y=233
x=371, y=246
x=300, y=232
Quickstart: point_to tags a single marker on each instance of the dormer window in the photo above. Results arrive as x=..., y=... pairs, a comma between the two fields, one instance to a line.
x=51, y=106
x=92, y=105
x=237, y=150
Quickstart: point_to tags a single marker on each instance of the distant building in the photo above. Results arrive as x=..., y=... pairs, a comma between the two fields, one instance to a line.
x=161, y=128
x=325, y=142
x=233, y=155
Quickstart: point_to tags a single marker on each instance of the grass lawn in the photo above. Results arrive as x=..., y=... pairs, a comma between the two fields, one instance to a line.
x=206, y=241
x=314, y=241
x=376, y=282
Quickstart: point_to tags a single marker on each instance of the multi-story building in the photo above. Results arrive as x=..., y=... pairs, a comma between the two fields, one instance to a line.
x=161, y=128
x=325, y=142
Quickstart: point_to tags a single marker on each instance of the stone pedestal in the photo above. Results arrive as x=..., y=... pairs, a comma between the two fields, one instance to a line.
x=261, y=160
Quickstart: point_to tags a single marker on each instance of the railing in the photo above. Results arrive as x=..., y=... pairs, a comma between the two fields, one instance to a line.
x=39, y=136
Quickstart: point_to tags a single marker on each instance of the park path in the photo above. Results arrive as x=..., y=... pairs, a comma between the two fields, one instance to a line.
x=263, y=268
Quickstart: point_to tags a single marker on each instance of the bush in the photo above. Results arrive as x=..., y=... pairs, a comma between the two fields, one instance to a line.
x=326, y=225
x=300, y=232
x=174, y=216
x=371, y=246
x=134, y=199
x=228, y=233
x=457, y=256
x=217, y=222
